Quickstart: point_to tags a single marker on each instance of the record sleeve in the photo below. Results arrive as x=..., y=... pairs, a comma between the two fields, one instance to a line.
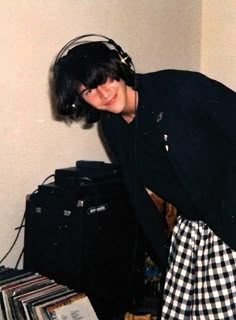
x=29, y=303
x=39, y=310
x=11, y=294
x=17, y=301
x=72, y=308
x=9, y=289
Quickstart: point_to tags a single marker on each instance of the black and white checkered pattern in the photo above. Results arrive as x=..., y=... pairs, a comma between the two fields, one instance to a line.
x=201, y=279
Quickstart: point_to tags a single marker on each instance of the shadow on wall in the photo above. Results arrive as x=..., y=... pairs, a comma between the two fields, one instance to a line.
x=52, y=97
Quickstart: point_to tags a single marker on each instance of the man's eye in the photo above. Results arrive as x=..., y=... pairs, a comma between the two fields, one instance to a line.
x=88, y=92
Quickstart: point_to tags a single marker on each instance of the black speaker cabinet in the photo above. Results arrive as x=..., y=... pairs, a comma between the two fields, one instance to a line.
x=87, y=239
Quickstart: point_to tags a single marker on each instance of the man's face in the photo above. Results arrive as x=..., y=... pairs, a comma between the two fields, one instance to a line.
x=111, y=96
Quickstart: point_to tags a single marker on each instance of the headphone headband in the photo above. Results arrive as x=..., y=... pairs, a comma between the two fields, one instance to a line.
x=125, y=58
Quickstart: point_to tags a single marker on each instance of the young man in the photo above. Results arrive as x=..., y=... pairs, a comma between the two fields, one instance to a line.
x=173, y=133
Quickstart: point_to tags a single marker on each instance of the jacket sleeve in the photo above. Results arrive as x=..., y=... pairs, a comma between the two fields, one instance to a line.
x=209, y=111
x=146, y=212
x=148, y=216
x=218, y=102
x=219, y=107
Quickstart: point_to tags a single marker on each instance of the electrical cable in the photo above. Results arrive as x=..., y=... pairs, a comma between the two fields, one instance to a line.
x=16, y=238
x=19, y=258
x=19, y=231
x=51, y=176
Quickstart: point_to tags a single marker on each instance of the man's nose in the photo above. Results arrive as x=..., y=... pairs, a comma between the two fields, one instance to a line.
x=103, y=90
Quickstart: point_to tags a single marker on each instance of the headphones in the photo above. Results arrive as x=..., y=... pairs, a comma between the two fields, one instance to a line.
x=125, y=58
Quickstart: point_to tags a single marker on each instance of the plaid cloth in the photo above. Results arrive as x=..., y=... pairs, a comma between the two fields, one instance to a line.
x=201, y=279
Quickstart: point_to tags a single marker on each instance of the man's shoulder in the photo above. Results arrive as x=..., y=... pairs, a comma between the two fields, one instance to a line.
x=170, y=82
x=169, y=74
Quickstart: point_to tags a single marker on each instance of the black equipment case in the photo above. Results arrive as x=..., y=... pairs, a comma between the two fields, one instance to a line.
x=80, y=231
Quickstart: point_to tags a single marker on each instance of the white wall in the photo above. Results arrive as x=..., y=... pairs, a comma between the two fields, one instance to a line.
x=156, y=33
x=218, y=49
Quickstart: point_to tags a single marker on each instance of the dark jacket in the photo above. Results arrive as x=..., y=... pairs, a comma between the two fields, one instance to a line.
x=186, y=122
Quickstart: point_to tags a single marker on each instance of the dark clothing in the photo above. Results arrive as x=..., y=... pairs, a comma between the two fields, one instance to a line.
x=182, y=146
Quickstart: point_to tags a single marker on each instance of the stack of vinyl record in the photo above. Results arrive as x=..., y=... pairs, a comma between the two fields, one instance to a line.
x=27, y=295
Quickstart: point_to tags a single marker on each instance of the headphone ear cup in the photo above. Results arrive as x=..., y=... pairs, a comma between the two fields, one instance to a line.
x=69, y=109
x=125, y=58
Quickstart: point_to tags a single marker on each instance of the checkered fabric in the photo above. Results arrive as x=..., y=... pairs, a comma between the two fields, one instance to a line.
x=201, y=279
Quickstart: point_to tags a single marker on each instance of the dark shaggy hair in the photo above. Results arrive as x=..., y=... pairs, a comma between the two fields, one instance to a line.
x=89, y=64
